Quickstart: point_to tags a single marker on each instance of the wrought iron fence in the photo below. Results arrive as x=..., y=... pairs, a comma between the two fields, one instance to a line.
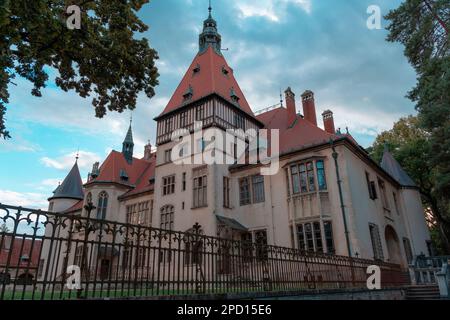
x=118, y=260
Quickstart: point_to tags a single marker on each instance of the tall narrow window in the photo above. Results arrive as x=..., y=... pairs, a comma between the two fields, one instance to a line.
x=317, y=237
x=321, y=180
x=295, y=179
x=258, y=188
x=408, y=250
x=309, y=237
x=183, y=117
x=384, y=199
x=167, y=156
x=328, y=229
x=183, y=184
x=102, y=205
x=226, y=192
x=287, y=182
x=244, y=191
x=200, y=181
x=199, y=113
x=303, y=178
x=167, y=217
x=371, y=187
x=301, y=237
x=376, y=242
x=310, y=169
x=396, y=204
x=168, y=186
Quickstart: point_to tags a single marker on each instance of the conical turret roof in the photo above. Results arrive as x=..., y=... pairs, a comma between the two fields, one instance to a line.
x=71, y=187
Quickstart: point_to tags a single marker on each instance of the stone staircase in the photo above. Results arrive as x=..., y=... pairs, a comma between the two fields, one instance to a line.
x=423, y=292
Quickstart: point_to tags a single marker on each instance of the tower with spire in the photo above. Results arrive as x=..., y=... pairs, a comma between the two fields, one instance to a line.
x=128, y=145
x=210, y=37
x=69, y=192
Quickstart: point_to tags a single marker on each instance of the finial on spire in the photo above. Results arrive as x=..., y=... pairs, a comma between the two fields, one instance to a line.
x=209, y=8
x=77, y=156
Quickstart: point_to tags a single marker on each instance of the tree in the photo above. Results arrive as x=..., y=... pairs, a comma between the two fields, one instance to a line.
x=422, y=27
x=102, y=59
x=411, y=146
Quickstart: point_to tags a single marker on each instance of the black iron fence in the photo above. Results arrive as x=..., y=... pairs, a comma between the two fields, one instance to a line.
x=56, y=256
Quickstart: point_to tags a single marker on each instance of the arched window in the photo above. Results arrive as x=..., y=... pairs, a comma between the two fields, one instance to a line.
x=102, y=205
x=88, y=200
x=167, y=215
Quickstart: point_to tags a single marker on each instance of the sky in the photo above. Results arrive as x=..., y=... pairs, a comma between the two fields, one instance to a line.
x=320, y=45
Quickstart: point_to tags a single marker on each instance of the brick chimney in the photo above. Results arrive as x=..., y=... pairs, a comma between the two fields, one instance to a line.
x=328, y=121
x=309, y=107
x=290, y=105
x=147, y=151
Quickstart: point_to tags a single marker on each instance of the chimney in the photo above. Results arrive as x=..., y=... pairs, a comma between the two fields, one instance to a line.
x=147, y=151
x=290, y=105
x=328, y=121
x=309, y=107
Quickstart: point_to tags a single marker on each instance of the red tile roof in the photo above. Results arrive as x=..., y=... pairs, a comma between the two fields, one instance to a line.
x=20, y=252
x=301, y=134
x=210, y=79
x=114, y=163
x=143, y=183
x=75, y=208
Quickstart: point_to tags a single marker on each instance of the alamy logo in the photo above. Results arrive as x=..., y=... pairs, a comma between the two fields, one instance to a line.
x=374, y=279
x=232, y=147
x=374, y=20
x=73, y=282
x=74, y=20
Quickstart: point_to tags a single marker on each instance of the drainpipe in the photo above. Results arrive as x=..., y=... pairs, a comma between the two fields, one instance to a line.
x=341, y=198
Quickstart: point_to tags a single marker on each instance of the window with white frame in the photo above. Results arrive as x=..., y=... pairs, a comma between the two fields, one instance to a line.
x=258, y=188
x=311, y=238
x=167, y=156
x=200, y=184
x=102, y=205
x=308, y=176
x=167, y=217
x=139, y=213
x=168, y=185
x=244, y=191
x=251, y=190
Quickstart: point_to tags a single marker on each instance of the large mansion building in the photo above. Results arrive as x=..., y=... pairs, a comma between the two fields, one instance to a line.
x=328, y=195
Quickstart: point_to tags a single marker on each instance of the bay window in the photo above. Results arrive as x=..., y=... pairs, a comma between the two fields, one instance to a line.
x=308, y=177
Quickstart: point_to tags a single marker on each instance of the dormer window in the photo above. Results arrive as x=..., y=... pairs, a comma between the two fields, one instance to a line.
x=188, y=94
x=123, y=175
x=225, y=71
x=234, y=96
x=196, y=69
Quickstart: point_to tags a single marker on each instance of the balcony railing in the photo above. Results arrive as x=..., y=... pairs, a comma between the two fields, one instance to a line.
x=118, y=260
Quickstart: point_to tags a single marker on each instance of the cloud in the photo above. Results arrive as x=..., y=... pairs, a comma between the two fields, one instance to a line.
x=272, y=10
x=85, y=161
x=24, y=199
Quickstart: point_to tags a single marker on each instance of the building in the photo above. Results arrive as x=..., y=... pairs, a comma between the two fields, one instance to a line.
x=328, y=195
x=19, y=260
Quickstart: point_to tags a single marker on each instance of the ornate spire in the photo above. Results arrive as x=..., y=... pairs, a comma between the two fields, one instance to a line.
x=128, y=145
x=210, y=36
